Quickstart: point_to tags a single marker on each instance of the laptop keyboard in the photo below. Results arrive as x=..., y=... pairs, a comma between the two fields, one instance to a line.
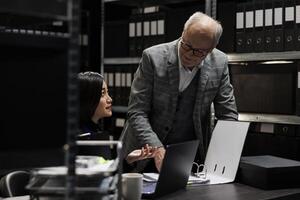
x=149, y=188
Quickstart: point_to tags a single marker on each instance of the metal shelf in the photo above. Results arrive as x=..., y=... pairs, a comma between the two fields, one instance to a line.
x=270, y=118
x=148, y=2
x=53, y=41
x=232, y=57
x=264, y=56
x=36, y=8
x=122, y=61
x=120, y=109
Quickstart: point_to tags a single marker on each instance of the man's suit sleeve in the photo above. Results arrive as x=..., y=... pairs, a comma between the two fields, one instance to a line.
x=225, y=106
x=139, y=107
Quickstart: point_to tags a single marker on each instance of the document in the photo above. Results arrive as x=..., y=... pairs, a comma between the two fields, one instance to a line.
x=193, y=180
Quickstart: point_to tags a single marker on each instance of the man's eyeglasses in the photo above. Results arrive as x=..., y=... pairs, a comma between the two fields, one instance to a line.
x=196, y=52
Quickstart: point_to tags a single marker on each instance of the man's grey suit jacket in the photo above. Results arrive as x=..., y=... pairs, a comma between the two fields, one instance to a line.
x=154, y=94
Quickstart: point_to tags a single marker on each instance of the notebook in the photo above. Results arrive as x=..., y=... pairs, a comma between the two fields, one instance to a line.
x=175, y=170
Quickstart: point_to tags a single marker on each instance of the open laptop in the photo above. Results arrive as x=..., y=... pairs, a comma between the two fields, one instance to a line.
x=175, y=170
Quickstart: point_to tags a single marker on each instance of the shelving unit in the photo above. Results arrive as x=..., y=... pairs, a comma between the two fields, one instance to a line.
x=91, y=182
x=263, y=56
x=45, y=35
x=233, y=58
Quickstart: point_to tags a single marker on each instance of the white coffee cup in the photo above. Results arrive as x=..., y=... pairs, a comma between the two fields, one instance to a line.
x=132, y=184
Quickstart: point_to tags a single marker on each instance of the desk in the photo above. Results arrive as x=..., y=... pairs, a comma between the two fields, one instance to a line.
x=233, y=191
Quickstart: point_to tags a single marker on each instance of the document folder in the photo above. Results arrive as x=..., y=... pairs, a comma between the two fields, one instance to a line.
x=258, y=26
x=224, y=151
x=278, y=25
x=268, y=25
x=240, y=28
x=289, y=25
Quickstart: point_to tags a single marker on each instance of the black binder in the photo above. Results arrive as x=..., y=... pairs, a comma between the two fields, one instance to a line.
x=258, y=26
x=298, y=93
x=297, y=32
x=132, y=35
x=268, y=25
x=289, y=25
x=161, y=28
x=118, y=88
x=240, y=28
x=110, y=80
x=136, y=37
x=228, y=21
x=269, y=172
x=278, y=12
x=249, y=25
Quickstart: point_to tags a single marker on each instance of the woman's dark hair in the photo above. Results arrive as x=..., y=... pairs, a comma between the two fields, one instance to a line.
x=90, y=90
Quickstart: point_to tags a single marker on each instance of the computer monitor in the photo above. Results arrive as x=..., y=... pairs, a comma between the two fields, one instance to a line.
x=33, y=107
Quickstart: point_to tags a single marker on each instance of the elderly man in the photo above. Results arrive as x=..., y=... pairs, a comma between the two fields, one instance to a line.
x=173, y=88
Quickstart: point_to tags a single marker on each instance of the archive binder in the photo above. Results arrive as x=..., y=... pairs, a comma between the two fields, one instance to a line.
x=258, y=26
x=297, y=32
x=228, y=22
x=268, y=25
x=131, y=36
x=118, y=89
x=249, y=24
x=289, y=25
x=278, y=25
x=240, y=28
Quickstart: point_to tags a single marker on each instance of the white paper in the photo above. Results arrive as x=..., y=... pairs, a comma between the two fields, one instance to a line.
x=266, y=128
x=153, y=177
x=268, y=17
x=62, y=170
x=120, y=122
x=289, y=14
x=249, y=19
x=278, y=16
x=161, y=27
x=239, y=20
x=298, y=79
x=139, y=29
x=259, y=22
x=105, y=77
x=298, y=14
x=146, y=28
x=128, y=79
x=131, y=29
x=123, y=80
x=153, y=27
x=111, y=79
x=118, y=79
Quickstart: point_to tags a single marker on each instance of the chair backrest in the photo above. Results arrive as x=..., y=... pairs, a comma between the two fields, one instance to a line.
x=14, y=183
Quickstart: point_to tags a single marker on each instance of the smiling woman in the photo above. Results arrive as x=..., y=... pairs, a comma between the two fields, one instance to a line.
x=95, y=102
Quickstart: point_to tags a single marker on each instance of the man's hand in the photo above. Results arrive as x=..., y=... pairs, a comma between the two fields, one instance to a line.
x=141, y=154
x=159, y=157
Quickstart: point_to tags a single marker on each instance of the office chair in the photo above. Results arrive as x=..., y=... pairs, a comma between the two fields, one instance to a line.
x=14, y=183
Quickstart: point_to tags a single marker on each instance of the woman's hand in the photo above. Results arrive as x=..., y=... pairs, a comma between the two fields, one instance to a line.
x=141, y=154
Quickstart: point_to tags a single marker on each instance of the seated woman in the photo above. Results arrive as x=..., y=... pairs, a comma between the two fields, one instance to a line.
x=95, y=104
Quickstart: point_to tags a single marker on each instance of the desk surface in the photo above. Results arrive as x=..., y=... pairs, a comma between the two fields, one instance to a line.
x=234, y=191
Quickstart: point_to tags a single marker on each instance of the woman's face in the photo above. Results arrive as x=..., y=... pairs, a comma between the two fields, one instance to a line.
x=104, y=106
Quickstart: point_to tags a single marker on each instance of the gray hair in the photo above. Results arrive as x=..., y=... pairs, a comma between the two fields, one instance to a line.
x=199, y=16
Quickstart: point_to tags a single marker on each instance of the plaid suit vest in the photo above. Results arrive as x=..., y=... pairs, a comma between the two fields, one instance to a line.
x=183, y=125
